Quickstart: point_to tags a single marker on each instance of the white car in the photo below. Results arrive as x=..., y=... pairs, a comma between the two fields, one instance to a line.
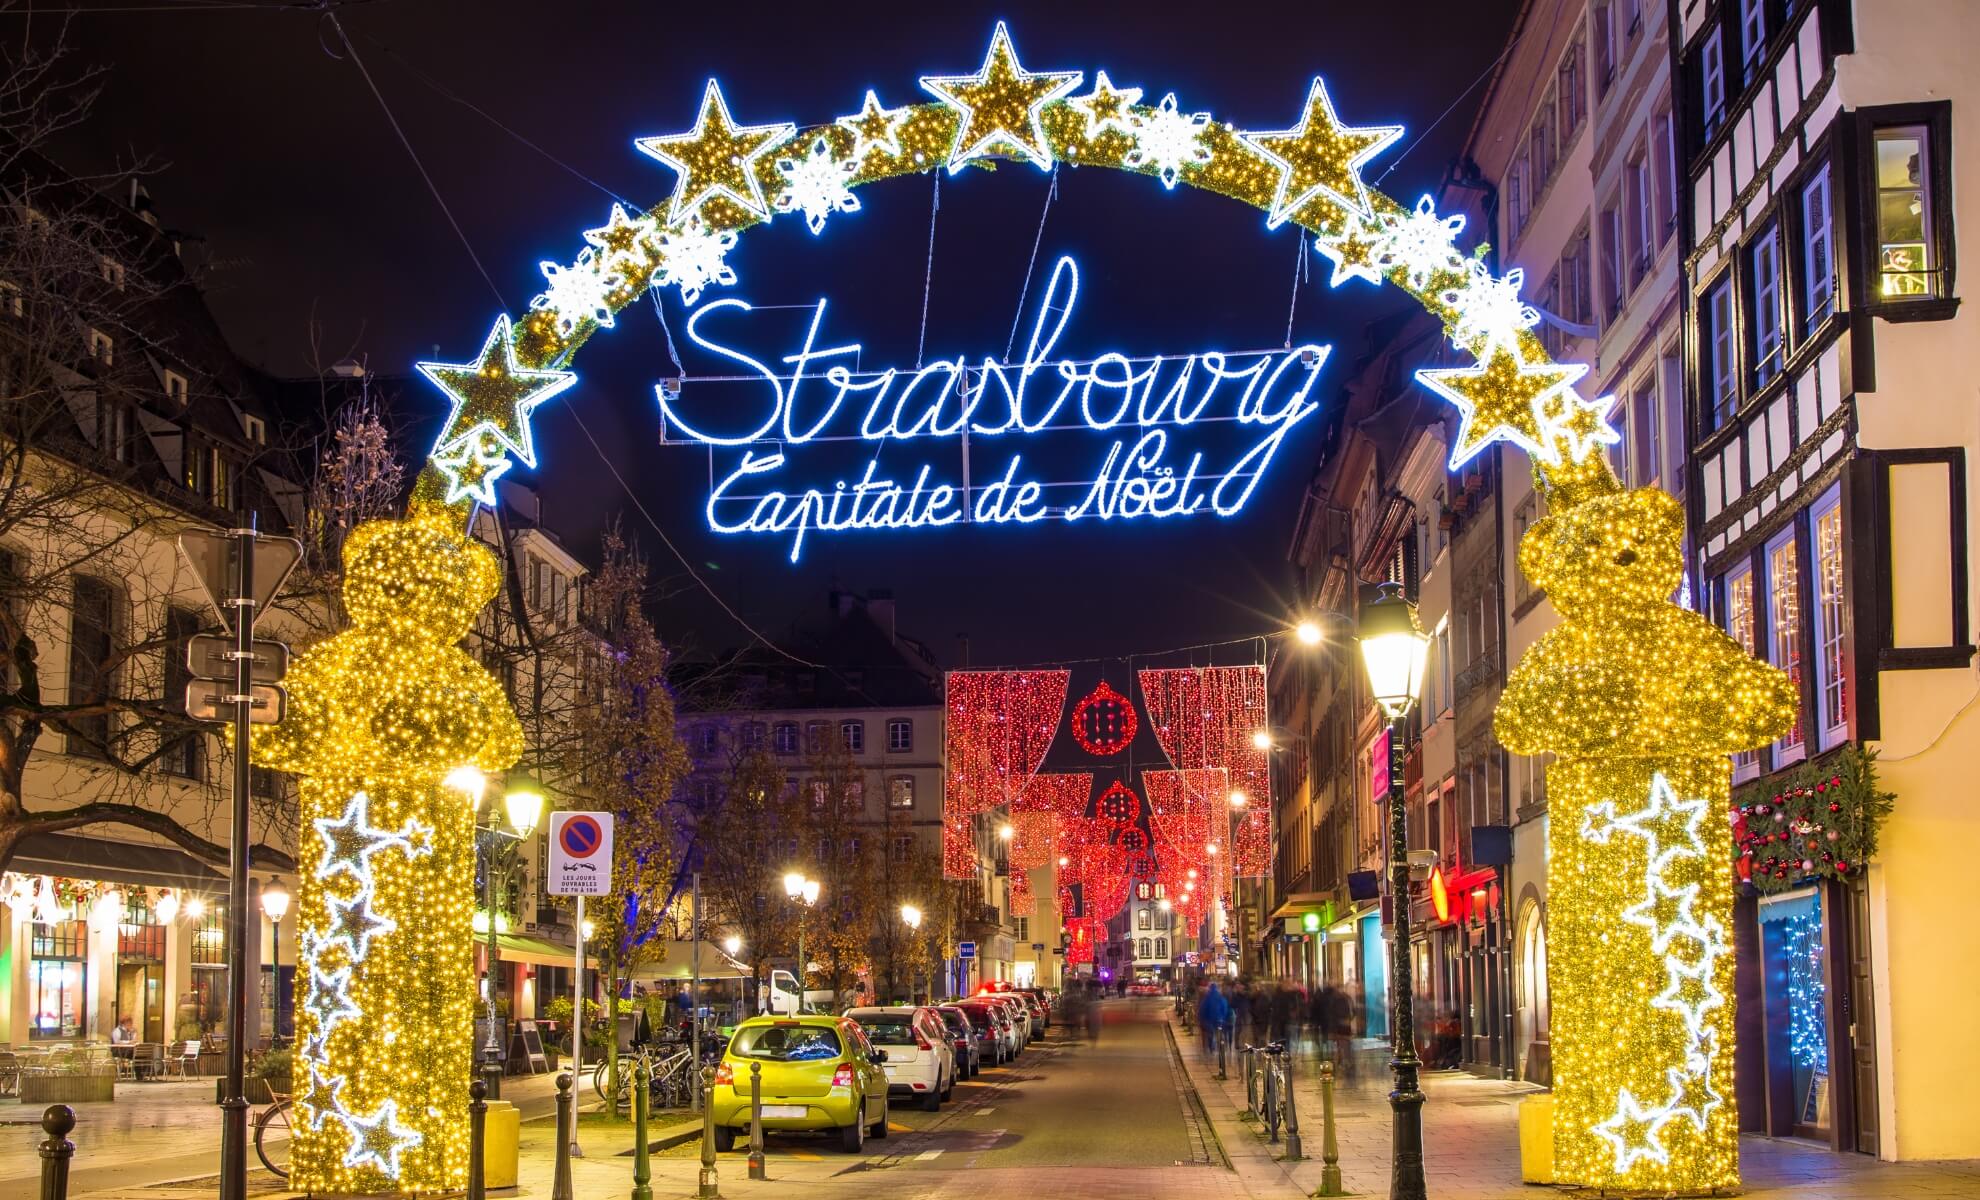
x=919, y=1060
x=1019, y=1012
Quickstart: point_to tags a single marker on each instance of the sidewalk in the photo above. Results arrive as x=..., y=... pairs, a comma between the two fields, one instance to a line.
x=1471, y=1143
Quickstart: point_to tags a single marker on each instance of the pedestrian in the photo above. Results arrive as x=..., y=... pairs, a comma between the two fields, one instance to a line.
x=1213, y=1015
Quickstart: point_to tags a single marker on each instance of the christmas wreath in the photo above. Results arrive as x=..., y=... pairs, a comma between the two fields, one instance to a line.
x=1817, y=820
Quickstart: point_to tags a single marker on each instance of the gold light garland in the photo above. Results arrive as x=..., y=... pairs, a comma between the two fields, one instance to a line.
x=378, y=716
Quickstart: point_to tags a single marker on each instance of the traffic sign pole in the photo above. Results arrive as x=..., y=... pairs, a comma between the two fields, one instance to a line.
x=233, y=1138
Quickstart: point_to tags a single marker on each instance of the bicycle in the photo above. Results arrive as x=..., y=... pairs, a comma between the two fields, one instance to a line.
x=271, y=1124
x=672, y=1077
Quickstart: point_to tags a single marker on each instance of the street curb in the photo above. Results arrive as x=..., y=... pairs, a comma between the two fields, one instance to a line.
x=1260, y=1172
x=1191, y=1097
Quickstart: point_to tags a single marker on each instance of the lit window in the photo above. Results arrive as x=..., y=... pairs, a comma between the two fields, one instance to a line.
x=1740, y=628
x=1832, y=685
x=1907, y=268
x=900, y=791
x=175, y=388
x=1141, y=891
x=1767, y=331
x=1784, y=613
x=1818, y=254
x=256, y=429
x=102, y=348
x=112, y=271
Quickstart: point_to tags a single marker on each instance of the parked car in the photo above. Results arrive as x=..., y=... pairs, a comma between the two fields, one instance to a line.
x=820, y=1073
x=919, y=1060
x=1020, y=1015
x=1000, y=1021
x=1041, y=1017
x=970, y=1050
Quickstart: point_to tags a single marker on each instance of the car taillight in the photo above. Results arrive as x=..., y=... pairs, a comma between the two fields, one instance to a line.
x=843, y=1077
x=725, y=1075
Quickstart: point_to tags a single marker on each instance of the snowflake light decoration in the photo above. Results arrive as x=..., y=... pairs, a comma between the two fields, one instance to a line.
x=1490, y=311
x=692, y=257
x=1422, y=243
x=817, y=186
x=577, y=293
x=1168, y=141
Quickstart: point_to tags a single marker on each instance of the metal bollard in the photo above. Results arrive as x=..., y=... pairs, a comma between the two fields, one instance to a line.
x=642, y=1163
x=477, y=1188
x=756, y=1167
x=1330, y=1151
x=710, y=1183
x=58, y=1121
x=1295, y=1152
x=560, y=1187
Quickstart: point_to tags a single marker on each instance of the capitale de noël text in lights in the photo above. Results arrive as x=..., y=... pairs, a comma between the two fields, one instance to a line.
x=1141, y=407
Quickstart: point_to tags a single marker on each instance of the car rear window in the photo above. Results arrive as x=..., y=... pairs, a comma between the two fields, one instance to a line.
x=786, y=1043
x=888, y=1031
x=956, y=1021
x=977, y=1017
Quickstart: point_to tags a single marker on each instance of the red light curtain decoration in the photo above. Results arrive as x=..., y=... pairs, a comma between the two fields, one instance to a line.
x=1023, y=901
x=1079, y=940
x=1095, y=865
x=1064, y=797
x=1103, y=722
x=1204, y=718
x=1186, y=813
x=999, y=725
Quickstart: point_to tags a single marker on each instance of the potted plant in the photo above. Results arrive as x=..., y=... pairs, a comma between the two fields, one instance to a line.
x=270, y=1074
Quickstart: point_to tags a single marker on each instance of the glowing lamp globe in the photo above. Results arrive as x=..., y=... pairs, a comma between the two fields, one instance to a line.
x=793, y=885
x=732, y=945
x=1393, y=648
x=274, y=900
x=524, y=802
x=1261, y=739
x=911, y=915
x=1308, y=633
x=469, y=782
x=811, y=891
x=166, y=908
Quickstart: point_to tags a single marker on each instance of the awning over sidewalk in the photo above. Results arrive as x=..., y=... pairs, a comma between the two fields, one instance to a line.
x=677, y=964
x=534, y=951
x=128, y=863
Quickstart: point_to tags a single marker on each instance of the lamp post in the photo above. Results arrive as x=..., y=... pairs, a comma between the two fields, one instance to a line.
x=1393, y=649
x=522, y=803
x=275, y=905
x=801, y=891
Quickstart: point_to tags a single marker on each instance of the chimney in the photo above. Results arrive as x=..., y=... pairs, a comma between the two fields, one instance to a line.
x=880, y=607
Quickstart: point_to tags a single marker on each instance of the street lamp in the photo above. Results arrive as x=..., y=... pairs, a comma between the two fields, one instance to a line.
x=732, y=945
x=1393, y=649
x=522, y=803
x=801, y=891
x=275, y=905
x=1239, y=799
x=1308, y=632
x=1261, y=739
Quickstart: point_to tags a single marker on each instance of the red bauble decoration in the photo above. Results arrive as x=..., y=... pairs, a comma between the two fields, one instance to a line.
x=1103, y=723
x=1119, y=804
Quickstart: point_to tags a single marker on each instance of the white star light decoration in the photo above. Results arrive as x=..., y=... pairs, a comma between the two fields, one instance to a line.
x=619, y=240
x=979, y=134
x=692, y=192
x=350, y=842
x=817, y=185
x=1375, y=139
x=1490, y=311
x=1107, y=107
x=1353, y=233
x=1168, y=140
x=1670, y=829
x=1422, y=243
x=875, y=127
x=692, y=257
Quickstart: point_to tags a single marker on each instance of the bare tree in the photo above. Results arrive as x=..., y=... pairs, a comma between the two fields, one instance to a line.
x=744, y=837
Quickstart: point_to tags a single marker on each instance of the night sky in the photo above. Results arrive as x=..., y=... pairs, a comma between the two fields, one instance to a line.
x=276, y=155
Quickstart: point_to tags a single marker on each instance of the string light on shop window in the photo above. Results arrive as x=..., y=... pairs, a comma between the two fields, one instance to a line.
x=1000, y=105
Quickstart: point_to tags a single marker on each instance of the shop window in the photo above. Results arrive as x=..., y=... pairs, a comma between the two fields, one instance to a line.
x=852, y=735
x=1784, y=633
x=1831, y=683
x=1908, y=262
x=1765, y=259
x=1818, y=254
x=1740, y=627
x=209, y=938
x=1794, y=964
x=57, y=991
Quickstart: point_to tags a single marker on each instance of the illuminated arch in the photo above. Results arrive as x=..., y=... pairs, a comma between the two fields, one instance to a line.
x=1640, y=701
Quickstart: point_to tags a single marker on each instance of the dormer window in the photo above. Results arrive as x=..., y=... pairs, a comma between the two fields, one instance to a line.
x=175, y=388
x=10, y=298
x=256, y=429
x=112, y=272
x=102, y=348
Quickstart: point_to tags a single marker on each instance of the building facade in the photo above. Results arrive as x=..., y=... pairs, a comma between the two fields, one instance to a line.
x=1829, y=431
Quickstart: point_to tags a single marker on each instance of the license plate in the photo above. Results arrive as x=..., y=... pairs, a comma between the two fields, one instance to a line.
x=773, y=1111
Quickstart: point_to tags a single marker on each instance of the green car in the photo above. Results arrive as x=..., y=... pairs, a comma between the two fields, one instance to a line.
x=819, y=1074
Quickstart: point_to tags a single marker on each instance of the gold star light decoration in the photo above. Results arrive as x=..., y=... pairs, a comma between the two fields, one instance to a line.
x=1504, y=398
x=1000, y=105
x=717, y=158
x=494, y=395
x=1321, y=159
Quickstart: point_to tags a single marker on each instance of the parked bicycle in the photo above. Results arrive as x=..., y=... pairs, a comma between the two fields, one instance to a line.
x=673, y=1076
x=271, y=1136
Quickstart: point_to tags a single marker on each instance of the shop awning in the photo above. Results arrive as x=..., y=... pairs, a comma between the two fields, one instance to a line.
x=534, y=951
x=128, y=863
x=677, y=964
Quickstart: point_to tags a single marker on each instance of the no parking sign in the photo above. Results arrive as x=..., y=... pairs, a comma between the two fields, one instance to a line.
x=580, y=854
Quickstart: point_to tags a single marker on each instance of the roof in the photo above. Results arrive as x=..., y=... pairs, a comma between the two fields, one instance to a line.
x=852, y=657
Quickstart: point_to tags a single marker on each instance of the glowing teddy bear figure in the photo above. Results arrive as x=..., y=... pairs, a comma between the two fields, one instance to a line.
x=1641, y=702
x=378, y=717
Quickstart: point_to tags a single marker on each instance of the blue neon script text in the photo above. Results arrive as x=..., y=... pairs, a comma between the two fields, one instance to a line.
x=1143, y=407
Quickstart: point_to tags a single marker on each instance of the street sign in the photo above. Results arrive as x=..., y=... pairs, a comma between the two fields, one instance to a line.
x=1037, y=946
x=210, y=656
x=213, y=700
x=580, y=853
x=965, y=949
x=210, y=553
